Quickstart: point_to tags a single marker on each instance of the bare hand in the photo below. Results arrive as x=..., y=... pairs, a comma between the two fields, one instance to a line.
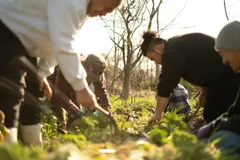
x=44, y=85
x=154, y=118
x=87, y=98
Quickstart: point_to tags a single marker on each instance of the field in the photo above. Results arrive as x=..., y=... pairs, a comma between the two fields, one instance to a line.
x=95, y=138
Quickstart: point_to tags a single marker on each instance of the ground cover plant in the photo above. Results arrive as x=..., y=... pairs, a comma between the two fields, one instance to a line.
x=94, y=138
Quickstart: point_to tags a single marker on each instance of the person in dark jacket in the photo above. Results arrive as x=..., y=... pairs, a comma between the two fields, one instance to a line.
x=226, y=127
x=193, y=58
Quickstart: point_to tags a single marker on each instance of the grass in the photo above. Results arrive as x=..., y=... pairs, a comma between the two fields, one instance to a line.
x=93, y=138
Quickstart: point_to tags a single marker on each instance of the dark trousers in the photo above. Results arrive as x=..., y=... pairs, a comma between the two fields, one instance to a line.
x=29, y=113
x=64, y=119
x=12, y=77
x=60, y=114
x=221, y=95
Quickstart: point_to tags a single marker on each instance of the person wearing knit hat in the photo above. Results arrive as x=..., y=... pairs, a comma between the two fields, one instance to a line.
x=226, y=127
x=228, y=45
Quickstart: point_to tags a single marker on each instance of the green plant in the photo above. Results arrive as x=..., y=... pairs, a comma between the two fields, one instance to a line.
x=92, y=137
x=158, y=136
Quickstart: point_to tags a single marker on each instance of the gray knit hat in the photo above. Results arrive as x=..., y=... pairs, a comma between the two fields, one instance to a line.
x=229, y=36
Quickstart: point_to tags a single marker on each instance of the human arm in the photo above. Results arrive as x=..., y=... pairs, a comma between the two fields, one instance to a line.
x=63, y=93
x=42, y=69
x=44, y=85
x=65, y=20
x=161, y=105
x=172, y=68
x=101, y=93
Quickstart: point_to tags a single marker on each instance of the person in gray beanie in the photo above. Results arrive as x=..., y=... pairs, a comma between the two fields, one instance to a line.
x=226, y=127
x=228, y=44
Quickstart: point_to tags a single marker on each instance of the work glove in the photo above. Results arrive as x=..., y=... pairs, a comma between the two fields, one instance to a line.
x=206, y=130
x=224, y=122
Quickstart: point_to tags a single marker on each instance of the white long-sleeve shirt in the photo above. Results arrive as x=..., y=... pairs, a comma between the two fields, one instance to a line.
x=47, y=29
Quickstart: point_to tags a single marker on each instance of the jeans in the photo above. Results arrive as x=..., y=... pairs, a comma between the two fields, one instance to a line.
x=228, y=141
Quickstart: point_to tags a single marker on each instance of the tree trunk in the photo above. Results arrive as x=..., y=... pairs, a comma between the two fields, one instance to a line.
x=126, y=84
x=157, y=73
x=131, y=18
x=114, y=71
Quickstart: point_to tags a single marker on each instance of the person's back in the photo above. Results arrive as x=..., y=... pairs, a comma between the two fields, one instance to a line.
x=192, y=57
x=194, y=54
x=34, y=29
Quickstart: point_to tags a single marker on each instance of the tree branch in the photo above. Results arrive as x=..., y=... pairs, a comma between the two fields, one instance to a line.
x=225, y=9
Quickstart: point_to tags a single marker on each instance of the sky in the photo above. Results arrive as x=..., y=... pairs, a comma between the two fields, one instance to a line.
x=205, y=16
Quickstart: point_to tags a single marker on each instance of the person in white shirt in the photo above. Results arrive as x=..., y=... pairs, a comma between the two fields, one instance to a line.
x=45, y=29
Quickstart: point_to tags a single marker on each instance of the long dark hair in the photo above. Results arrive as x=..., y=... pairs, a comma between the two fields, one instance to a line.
x=150, y=39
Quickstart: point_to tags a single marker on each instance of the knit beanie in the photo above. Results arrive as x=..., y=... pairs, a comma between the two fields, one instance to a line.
x=229, y=37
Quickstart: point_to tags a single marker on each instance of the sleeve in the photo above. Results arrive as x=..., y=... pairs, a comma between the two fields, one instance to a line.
x=235, y=108
x=61, y=88
x=65, y=18
x=173, y=64
x=46, y=66
x=101, y=93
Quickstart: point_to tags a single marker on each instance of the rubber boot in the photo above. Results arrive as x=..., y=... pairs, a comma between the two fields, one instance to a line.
x=31, y=135
x=11, y=138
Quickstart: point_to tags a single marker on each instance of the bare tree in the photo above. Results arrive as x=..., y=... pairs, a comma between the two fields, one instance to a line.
x=132, y=19
x=157, y=66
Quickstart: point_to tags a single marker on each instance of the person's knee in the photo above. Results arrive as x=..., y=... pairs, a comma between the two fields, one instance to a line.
x=29, y=115
x=227, y=140
x=10, y=106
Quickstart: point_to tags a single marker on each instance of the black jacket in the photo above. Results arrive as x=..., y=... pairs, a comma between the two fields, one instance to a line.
x=192, y=57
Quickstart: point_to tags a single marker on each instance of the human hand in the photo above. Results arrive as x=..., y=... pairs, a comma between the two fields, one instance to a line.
x=87, y=98
x=45, y=87
x=108, y=108
x=154, y=118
